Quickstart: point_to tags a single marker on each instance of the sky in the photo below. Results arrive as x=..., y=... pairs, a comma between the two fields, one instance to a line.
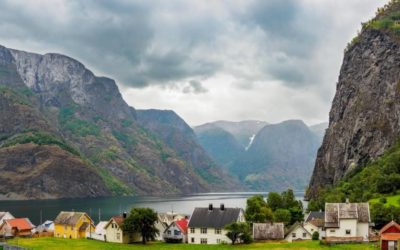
x=269, y=60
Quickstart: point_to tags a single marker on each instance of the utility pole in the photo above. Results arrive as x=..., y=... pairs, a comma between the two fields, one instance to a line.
x=99, y=215
x=41, y=217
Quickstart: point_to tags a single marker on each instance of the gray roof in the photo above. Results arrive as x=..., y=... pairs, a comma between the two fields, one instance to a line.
x=68, y=218
x=315, y=215
x=216, y=218
x=268, y=231
x=337, y=211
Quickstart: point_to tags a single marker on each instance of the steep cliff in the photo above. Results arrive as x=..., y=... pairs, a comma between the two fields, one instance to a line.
x=54, y=101
x=364, y=120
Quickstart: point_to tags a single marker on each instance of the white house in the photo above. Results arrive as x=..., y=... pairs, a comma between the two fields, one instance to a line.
x=176, y=232
x=206, y=225
x=297, y=232
x=115, y=233
x=164, y=220
x=99, y=232
x=5, y=216
x=347, y=221
x=314, y=222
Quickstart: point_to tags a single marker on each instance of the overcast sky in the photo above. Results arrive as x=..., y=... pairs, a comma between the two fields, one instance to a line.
x=269, y=60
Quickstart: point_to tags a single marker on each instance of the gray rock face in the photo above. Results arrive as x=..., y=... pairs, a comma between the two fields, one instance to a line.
x=57, y=78
x=365, y=115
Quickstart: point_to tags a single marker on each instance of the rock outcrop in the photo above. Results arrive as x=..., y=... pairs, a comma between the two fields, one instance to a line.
x=364, y=120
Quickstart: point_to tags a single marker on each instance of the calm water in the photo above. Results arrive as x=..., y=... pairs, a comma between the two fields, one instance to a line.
x=110, y=206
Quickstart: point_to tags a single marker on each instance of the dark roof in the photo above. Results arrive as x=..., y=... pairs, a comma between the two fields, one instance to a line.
x=337, y=211
x=216, y=218
x=268, y=231
x=315, y=215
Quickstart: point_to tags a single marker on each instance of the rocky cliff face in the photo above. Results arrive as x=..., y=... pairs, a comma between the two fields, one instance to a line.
x=364, y=119
x=54, y=102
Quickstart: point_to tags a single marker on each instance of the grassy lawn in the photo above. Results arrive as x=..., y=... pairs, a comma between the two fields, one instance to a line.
x=60, y=244
x=391, y=200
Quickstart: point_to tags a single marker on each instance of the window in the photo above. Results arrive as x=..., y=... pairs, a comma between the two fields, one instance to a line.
x=177, y=232
x=203, y=241
x=348, y=231
x=312, y=230
x=332, y=231
x=118, y=236
x=192, y=230
x=218, y=231
x=294, y=235
x=192, y=240
x=218, y=241
x=203, y=230
x=304, y=235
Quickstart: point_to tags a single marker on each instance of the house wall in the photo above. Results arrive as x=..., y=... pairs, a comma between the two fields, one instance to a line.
x=116, y=234
x=344, y=225
x=363, y=230
x=211, y=236
x=311, y=228
x=299, y=231
x=161, y=228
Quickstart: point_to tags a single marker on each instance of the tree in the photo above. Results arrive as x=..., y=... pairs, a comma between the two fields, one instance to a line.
x=274, y=201
x=288, y=199
x=238, y=230
x=142, y=220
x=296, y=215
x=315, y=236
x=282, y=215
x=257, y=210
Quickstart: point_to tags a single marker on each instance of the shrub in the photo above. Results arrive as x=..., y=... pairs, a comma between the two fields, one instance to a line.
x=315, y=236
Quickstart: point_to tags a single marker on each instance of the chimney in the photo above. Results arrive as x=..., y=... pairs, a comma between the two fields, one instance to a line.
x=124, y=215
x=210, y=207
x=222, y=207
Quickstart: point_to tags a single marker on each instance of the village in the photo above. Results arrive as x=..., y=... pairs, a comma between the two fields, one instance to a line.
x=340, y=223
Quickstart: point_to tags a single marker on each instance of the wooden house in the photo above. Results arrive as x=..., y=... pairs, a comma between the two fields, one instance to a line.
x=73, y=225
x=115, y=232
x=206, y=225
x=5, y=216
x=297, y=232
x=390, y=236
x=177, y=232
x=268, y=231
x=20, y=227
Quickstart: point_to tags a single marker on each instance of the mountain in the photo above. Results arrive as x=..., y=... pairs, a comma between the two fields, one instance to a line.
x=364, y=118
x=65, y=132
x=281, y=156
x=221, y=145
x=178, y=135
x=243, y=131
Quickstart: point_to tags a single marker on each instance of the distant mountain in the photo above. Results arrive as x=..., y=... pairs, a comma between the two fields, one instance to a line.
x=243, y=131
x=65, y=132
x=319, y=129
x=281, y=156
x=221, y=145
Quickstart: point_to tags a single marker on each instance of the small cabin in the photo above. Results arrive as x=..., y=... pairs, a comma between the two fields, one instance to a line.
x=390, y=236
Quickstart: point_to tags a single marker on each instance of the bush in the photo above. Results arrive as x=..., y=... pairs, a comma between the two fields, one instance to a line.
x=383, y=200
x=315, y=236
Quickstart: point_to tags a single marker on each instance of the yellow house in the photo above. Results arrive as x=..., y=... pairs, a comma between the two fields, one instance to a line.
x=73, y=225
x=115, y=233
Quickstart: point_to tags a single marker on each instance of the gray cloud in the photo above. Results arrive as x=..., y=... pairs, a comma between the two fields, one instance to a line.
x=194, y=87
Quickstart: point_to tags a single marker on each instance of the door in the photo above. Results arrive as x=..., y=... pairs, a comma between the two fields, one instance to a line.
x=391, y=245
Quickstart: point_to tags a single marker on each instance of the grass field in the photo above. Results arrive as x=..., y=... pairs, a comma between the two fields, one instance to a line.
x=61, y=244
x=390, y=200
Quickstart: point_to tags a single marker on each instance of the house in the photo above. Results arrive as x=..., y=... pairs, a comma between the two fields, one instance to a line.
x=5, y=216
x=73, y=225
x=116, y=233
x=314, y=222
x=44, y=230
x=164, y=220
x=206, y=225
x=19, y=227
x=177, y=231
x=268, y=231
x=297, y=232
x=390, y=236
x=99, y=232
x=347, y=221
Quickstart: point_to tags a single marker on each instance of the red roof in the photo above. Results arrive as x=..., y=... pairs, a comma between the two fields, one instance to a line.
x=20, y=223
x=183, y=225
x=391, y=227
